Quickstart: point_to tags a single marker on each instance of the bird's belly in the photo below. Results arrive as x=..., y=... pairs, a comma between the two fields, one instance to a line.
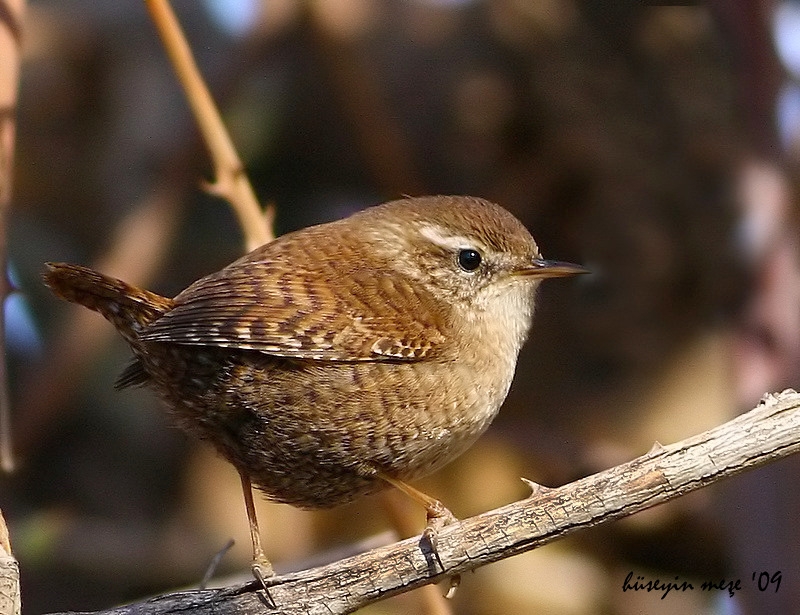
x=320, y=434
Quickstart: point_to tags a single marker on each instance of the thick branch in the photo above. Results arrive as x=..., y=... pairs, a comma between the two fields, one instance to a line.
x=769, y=432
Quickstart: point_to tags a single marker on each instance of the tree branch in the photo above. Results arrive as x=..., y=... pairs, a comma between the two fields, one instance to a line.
x=11, y=12
x=231, y=182
x=769, y=432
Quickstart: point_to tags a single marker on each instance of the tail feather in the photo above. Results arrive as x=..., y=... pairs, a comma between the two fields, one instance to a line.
x=128, y=308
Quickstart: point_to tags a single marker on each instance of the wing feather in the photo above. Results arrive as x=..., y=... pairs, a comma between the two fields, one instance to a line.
x=306, y=299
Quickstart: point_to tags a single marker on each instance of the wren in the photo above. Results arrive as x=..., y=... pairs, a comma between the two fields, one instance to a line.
x=342, y=358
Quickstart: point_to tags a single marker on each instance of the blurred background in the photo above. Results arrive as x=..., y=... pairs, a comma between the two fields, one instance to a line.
x=656, y=145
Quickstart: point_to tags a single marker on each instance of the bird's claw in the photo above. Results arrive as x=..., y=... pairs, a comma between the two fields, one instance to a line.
x=438, y=518
x=262, y=570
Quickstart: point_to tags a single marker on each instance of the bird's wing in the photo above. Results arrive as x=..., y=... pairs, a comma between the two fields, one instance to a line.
x=315, y=309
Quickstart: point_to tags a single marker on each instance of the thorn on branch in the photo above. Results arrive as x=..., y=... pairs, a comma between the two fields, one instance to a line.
x=770, y=399
x=656, y=449
x=536, y=488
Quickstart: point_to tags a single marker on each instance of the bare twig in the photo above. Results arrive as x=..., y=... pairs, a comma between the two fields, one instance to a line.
x=231, y=181
x=10, y=31
x=769, y=432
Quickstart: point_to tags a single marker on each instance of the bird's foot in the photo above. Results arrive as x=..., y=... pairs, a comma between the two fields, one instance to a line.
x=439, y=516
x=262, y=570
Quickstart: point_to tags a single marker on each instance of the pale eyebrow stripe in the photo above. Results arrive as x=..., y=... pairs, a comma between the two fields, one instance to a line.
x=450, y=242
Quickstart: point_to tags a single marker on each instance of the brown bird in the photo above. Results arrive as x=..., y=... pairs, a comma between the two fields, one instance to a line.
x=341, y=358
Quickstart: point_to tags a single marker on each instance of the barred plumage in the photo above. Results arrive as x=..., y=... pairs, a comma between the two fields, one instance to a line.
x=324, y=364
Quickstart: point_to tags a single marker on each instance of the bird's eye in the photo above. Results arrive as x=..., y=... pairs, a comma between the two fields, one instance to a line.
x=469, y=259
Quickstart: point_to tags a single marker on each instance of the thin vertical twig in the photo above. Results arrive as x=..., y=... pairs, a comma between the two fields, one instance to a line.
x=231, y=182
x=10, y=42
x=10, y=39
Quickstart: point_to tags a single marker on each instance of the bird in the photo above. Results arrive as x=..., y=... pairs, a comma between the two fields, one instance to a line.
x=343, y=358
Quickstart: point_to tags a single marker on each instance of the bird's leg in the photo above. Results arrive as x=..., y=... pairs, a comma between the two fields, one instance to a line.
x=438, y=517
x=261, y=566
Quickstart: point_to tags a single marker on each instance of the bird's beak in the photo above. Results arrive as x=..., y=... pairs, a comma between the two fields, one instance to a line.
x=540, y=268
